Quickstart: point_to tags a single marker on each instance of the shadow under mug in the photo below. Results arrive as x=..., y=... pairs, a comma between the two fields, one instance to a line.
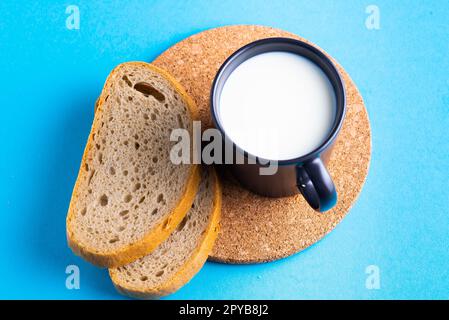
x=306, y=174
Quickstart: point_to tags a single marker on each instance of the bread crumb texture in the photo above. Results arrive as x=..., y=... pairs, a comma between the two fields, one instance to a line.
x=177, y=259
x=127, y=188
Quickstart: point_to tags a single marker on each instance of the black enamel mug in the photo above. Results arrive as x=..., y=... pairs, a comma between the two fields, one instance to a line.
x=306, y=174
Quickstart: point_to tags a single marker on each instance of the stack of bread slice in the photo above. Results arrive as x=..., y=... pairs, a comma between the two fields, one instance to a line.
x=133, y=210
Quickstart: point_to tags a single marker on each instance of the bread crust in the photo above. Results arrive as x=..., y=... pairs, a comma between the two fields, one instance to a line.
x=162, y=231
x=191, y=266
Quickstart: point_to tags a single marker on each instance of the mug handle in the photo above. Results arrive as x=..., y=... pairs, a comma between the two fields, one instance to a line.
x=316, y=185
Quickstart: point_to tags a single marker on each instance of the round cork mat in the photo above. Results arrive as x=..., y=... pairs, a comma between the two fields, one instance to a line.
x=254, y=228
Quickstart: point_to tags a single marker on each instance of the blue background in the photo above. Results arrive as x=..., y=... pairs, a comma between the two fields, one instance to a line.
x=51, y=77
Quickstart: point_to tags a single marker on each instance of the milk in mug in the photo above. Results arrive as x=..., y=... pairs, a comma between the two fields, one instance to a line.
x=277, y=106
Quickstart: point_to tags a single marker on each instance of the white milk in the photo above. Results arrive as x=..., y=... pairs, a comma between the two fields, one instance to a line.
x=277, y=106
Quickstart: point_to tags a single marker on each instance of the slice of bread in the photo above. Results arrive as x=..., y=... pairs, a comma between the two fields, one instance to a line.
x=129, y=196
x=183, y=254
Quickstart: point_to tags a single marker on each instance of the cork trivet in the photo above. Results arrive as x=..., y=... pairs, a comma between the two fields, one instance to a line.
x=254, y=228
